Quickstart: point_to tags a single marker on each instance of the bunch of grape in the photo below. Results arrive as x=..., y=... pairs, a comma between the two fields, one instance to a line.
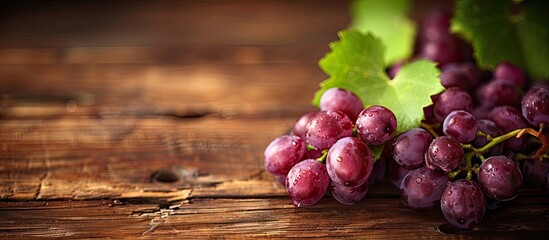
x=482, y=137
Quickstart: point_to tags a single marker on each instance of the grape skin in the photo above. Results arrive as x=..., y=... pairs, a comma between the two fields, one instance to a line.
x=535, y=106
x=497, y=93
x=326, y=127
x=349, y=162
x=535, y=172
x=460, y=125
x=396, y=173
x=490, y=128
x=500, y=178
x=348, y=195
x=463, y=203
x=508, y=118
x=444, y=153
x=376, y=125
x=509, y=72
x=300, y=125
x=409, y=148
x=452, y=99
x=283, y=153
x=307, y=182
x=337, y=99
x=422, y=188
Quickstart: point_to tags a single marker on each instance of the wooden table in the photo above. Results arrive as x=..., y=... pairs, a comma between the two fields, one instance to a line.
x=149, y=119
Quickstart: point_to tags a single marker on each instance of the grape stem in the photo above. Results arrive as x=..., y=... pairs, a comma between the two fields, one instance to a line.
x=543, y=139
x=322, y=159
x=430, y=128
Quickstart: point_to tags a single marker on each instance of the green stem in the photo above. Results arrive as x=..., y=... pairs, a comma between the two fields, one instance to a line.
x=497, y=140
x=322, y=159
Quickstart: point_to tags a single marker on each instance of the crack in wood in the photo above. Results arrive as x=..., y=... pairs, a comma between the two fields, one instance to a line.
x=47, y=168
x=161, y=216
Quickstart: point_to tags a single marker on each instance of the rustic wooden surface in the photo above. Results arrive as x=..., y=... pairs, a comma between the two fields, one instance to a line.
x=148, y=119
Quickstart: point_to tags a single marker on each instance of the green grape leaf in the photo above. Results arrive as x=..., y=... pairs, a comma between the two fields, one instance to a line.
x=356, y=64
x=387, y=19
x=515, y=31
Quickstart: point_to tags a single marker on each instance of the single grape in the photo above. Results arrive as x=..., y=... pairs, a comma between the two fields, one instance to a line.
x=453, y=77
x=490, y=128
x=396, y=173
x=444, y=153
x=422, y=188
x=376, y=125
x=452, y=99
x=300, y=125
x=460, y=125
x=409, y=148
x=500, y=178
x=307, y=182
x=507, y=119
x=326, y=127
x=443, y=50
x=463, y=203
x=472, y=73
x=283, y=153
x=349, y=162
x=509, y=72
x=535, y=106
x=497, y=93
x=535, y=172
x=337, y=99
x=348, y=195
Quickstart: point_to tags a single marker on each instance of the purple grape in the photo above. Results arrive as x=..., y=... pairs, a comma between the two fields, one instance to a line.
x=452, y=77
x=443, y=50
x=283, y=153
x=396, y=173
x=435, y=26
x=307, y=182
x=490, y=128
x=300, y=125
x=497, y=93
x=472, y=73
x=500, y=178
x=535, y=106
x=349, y=162
x=380, y=166
x=312, y=153
x=348, y=195
x=326, y=127
x=337, y=99
x=450, y=100
x=460, y=125
x=509, y=72
x=463, y=203
x=409, y=148
x=422, y=188
x=535, y=172
x=481, y=112
x=376, y=125
x=507, y=119
x=444, y=153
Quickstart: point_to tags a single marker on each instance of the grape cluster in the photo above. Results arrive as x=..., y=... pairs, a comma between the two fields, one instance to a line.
x=473, y=151
x=330, y=149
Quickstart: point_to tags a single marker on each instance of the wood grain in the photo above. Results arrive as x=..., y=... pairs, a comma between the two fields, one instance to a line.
x=148, y=119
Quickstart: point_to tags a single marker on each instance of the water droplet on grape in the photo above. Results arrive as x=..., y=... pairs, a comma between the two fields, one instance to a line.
x=419, y=180
x=339, y=159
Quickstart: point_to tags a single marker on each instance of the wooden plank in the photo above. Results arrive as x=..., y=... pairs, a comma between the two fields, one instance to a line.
x=90, y=158
x=229, y=87
x=169, y=23
x=374, y=218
